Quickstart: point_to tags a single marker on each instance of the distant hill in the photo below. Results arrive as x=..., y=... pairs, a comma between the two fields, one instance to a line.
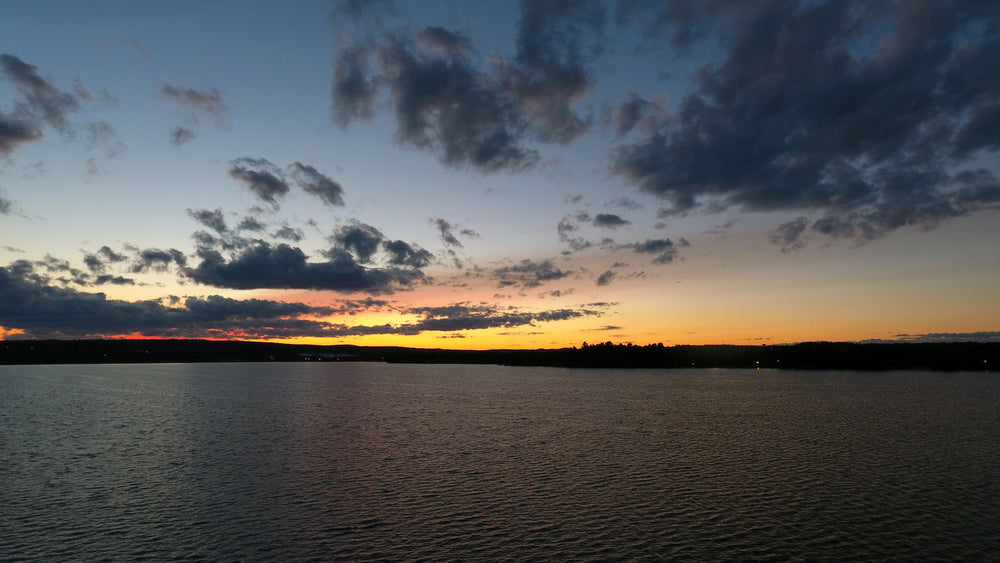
x=976, y=356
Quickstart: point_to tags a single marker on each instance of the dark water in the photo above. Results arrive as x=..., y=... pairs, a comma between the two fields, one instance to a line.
x=436, y=463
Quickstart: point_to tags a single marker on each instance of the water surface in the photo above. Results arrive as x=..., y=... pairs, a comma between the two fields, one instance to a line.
x=365, y=461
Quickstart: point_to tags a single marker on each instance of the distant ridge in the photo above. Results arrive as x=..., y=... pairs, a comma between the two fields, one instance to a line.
x=953, y=356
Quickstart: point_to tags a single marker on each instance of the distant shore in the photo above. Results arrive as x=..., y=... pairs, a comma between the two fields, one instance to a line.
x=958, y=356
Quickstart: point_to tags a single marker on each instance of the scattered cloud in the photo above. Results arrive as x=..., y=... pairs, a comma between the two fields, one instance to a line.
x=214, y=219
x=665, y=249
x=14, y=132
x=982, y=336
x=609, y=221
x=261, y=177
x=315, y=183
x=801, y=114
x=528, y=273
x=180, y=135
x=43, y=104
x=469, y=113
x=281, y=266
x=34, y=302
x=207, y=101
x=43, y=101
x=447, y=235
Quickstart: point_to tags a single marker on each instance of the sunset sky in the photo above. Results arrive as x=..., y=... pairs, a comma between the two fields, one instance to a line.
x=530, y=174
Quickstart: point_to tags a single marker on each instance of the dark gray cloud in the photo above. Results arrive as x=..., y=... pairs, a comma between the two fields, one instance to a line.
x=566, y=230
x=470, y=113
x=286, y=232
x=665, y=249
x=605, y=278
x=863, y=112
x=261, y=177
x=355, y=11
x=638, y=113
x=529, y=273
x=404, y=254
x=360, y=239
x=60, y=272
x=32, y=301
x=447, y=235
x=41, y=103
x=157, y=260
x=609, y=221
x=42, y=100
x=789, y=234
x=556, y=42
x=251, y=224
x=320, y=185
x=347, y=269
x=445, y=104
x=624, y=203
x=14, y=132
x=6, y=205
x=982, y=336
x=98, y=261
x=463, y=316
x=208, y=101
x=443, y=41
x=131, y=260
x=353, y=88
x=180, y=135
x=214, y=219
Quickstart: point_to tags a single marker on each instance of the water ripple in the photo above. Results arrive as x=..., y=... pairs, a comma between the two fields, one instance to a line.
x=329, y=462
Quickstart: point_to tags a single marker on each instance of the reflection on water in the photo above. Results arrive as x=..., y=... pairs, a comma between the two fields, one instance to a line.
x=418, y=462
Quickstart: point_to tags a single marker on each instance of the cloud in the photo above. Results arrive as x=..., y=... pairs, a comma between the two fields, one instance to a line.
x=463, y=316
x=97, y=262
x=528, y=273
x=609, y=221
x=447, y=236
x=138, y=49
x=43, y=104
x=355, y=11
x=788, y=235
x=556, y=42
x=638, y=113
x=320, y=185
x=352, y=87
x=470, y=113
x=214, y=220
x=982, y=336
x=566, y=228
x=43, y=100
x=404, y=254
x=289, y=233
x=157, y=260
x=444, y=103
x=180, y=135
x=281, y=266
x=30, y=301
x=361, y=239
x=6, y=205
x=605, y=278
x=263, y=179
x=205, y=101
x=665, y=249
x=870, y=117
x=14, y=132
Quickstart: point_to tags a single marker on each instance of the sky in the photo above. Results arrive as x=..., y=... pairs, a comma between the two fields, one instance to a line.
x=533, y=174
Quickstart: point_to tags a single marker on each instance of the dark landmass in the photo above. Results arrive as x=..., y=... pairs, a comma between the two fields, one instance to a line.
x=975, y=356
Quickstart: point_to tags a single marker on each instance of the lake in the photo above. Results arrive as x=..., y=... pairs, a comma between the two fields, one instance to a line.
x=395, y=462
